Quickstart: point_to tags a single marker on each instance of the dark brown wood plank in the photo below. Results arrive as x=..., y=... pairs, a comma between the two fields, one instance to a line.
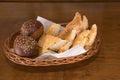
x=59, y=0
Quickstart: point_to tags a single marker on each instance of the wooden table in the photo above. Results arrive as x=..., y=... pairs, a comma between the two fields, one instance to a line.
x=103, y=66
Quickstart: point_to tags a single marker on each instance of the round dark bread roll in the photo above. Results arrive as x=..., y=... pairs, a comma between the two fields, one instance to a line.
x=32, y=28
x=25, y=46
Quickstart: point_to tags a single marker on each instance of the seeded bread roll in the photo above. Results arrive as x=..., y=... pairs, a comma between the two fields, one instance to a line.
x=32, y=28
x=25, y=46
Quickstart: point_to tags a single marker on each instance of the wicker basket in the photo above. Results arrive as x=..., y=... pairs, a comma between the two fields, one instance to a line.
x=37, y=62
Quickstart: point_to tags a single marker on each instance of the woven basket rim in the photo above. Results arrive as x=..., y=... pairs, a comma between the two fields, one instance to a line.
x=46, y=62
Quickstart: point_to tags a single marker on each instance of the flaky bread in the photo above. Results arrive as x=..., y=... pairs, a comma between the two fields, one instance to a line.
x=48, y=41
x=91, y=37
x=71, y=35
x=65, y=47
x=53, y=29
x=70, y=38
x=74, y=24
x=81, y=39
x=84, y=22
x=58, y=44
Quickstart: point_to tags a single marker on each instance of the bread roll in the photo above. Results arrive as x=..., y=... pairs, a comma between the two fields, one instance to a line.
x=32, y=28
x=81, y=38
x=91, y=37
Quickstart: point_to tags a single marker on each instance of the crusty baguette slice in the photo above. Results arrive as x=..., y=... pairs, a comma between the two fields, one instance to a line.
x=81, y=38
x=74, y=24
x=91, y=36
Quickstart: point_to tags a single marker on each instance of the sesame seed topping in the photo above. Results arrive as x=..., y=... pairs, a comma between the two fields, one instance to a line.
x=29, y=27
x=26, y=43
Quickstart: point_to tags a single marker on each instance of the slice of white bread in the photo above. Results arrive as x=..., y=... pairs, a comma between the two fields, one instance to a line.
x=91, y=37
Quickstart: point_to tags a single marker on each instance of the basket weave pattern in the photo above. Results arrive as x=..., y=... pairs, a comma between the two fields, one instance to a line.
x=37, y=62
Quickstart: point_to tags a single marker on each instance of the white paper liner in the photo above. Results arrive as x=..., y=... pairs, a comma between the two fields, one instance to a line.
x=77, y=50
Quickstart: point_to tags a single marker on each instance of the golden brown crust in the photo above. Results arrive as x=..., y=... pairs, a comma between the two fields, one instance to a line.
x=65, y=47
x=84, y=22
x=49, y=41
x=74, y=24
x=57, y=45
x=71, y=35
x=70, y=38
x=91, y=36
x=53, y=29
x=81, y=38
x=41, y=40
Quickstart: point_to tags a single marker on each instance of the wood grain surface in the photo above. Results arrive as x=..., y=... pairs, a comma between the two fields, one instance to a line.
x=103, y=66
x=59, y=0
